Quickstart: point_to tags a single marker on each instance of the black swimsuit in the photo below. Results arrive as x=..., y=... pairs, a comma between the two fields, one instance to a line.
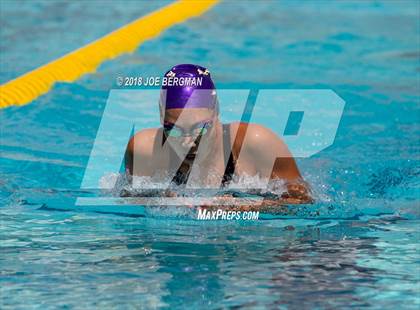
x=229, y=158
x=182, y=174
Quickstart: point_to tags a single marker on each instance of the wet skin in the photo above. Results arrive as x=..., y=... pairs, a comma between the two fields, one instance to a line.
x=151, y=152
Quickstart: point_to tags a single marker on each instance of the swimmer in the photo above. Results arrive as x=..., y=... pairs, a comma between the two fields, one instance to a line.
x=192, y=135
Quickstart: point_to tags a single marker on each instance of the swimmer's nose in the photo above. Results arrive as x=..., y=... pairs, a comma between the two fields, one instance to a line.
x=188, y=142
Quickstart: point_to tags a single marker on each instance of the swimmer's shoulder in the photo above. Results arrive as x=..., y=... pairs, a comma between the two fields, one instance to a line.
x=258, y=137
x=142, y=148
x=144, y=143
x=268, y=153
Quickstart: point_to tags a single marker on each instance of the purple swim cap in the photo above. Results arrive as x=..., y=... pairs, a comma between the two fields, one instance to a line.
x=188, y=86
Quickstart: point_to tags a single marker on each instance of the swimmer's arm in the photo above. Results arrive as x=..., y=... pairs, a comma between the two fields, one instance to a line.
x=270, y=200
x=128, y=157
x=139, y=161
x=267, y=148
x=139, y=154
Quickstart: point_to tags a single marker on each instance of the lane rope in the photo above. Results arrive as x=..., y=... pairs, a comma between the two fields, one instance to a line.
x=68, y=68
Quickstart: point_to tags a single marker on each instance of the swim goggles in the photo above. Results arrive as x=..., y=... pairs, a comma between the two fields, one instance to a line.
x=199, y=129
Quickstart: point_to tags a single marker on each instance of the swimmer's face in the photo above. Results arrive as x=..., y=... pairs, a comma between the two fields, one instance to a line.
x=186, y=128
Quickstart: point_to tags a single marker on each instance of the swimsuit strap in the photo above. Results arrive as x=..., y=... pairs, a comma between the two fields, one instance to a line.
x=183, y=172
x=228, y=155
x=232, y=153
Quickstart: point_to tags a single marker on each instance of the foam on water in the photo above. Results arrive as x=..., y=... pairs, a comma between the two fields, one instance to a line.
x=328, y=201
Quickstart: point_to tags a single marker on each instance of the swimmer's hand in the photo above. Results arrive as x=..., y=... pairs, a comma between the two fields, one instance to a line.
x=147, y=193
x=297, y=193
x=292, y=192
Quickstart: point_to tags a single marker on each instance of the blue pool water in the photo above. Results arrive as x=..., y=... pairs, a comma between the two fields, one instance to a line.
x=361, y=251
